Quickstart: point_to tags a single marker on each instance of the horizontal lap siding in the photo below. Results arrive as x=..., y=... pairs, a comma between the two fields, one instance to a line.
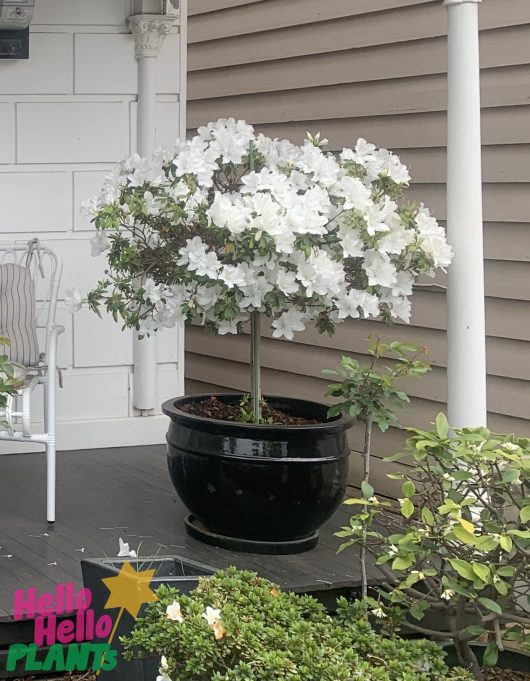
x=377, y=69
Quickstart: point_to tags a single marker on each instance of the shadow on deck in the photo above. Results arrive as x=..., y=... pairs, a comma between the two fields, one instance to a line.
x=110, y=493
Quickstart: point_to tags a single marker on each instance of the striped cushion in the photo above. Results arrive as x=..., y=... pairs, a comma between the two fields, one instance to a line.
x=17, y=314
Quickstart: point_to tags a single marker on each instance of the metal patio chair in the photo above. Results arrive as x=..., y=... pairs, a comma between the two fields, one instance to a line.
x=30, y=275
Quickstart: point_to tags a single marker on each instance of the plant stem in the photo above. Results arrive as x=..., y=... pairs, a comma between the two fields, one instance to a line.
x=255, y=333
x=366, y=457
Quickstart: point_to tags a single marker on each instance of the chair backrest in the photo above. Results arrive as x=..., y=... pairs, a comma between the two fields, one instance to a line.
x=36, y=271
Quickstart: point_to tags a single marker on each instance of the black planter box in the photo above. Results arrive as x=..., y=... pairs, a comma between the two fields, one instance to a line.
x=172, y=571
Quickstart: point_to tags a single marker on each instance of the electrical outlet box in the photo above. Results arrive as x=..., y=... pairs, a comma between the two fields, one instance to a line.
x=16, y=15
x=14, y=44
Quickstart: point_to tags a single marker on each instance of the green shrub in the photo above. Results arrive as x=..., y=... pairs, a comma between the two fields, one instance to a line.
x=461, y=548
x=258, y=632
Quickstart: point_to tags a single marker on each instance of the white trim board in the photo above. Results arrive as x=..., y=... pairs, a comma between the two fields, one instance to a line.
x=99, y=434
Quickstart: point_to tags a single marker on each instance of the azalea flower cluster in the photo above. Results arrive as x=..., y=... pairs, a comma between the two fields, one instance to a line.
x=232, y=222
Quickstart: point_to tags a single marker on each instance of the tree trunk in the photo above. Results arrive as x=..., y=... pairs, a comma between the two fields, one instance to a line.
x=468, y=659
x=255, y=364
x=366, y=478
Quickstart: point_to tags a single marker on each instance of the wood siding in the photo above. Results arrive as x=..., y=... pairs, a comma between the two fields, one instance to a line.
x=377, y=69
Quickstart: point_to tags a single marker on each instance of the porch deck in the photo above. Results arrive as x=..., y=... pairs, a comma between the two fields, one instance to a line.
x=107, y=493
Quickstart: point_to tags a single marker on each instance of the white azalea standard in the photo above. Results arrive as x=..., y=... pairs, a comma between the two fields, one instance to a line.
x=232, y=224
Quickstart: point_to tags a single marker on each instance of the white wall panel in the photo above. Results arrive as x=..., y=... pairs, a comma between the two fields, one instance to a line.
x=65, y=343
x=72, y=132
x=168, y=383
x=102, y=393
x=65, y=120
x=168, y=76
x=100, y=342
x=79, y=12
x=7, y=133
x=168, y=346
x=48, y=71
x=105, y=64
x=35, y=202
x=87, y=185
x=79, y=267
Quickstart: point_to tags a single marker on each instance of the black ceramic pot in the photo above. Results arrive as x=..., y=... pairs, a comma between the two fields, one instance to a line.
x=259, y=482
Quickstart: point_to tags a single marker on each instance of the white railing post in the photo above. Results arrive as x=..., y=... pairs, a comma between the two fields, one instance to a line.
x=149, y=32
x=466, y=331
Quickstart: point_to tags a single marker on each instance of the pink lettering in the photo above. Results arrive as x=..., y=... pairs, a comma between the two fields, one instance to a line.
x=65, y=631
x=45, y=630
x=24, y=605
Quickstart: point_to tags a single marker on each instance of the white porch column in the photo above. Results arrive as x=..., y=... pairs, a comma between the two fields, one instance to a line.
x=149, y=31
x=466, y=331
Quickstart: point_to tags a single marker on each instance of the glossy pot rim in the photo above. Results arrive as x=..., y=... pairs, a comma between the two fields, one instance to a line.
x=335, y=425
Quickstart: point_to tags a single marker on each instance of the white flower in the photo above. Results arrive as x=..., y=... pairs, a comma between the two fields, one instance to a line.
x=447, y=594
x=208, y=265
x=379, y=269
x=99, y=243
x=286, y=281
x=163, y=670
x=174, y=613
x=354, y=193
x=379, y=613
x=349, y=305
x=213, y=617
x=510, y=446
x=153, y=292
x=73, y=300
x=125, y=550
x=287, y=323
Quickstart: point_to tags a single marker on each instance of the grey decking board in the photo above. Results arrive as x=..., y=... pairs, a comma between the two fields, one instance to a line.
x=108, y=488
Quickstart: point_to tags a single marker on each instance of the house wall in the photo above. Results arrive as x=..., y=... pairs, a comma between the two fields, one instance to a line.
x=377, y=69
x=67, y=115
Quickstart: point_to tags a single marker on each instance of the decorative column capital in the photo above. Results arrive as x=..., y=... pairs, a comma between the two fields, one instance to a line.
x=448, y=3
x=149, y=32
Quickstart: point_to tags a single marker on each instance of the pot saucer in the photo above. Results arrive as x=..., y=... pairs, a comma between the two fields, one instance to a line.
x=197, y=530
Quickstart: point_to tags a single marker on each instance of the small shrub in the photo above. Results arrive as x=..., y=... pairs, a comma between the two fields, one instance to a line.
x=236, y=626
x=464, y=549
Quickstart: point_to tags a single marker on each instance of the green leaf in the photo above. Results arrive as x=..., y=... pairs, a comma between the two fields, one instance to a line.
x=475, y=630
x=418, y=610
x=367, y=490
x=506, y=543
x=501, y=588
x=491, y=655
x=409, y=489
x=463, y=535
x=525, y=514
x=510, y=475
x=407, y=508
x=490, y=605
x=463, y=568
x=442, y=426
x=401, y=563
x=482, y=572
x=427, y=516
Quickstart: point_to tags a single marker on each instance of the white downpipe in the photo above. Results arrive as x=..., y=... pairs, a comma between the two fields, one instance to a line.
x=144, y=350
x=466, y=329
x=149, y=32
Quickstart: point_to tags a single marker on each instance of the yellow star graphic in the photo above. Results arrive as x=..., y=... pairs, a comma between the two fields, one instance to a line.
x=130, y=589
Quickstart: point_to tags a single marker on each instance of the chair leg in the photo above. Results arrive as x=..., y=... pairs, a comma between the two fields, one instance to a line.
x=49, y=401
x=50, y=481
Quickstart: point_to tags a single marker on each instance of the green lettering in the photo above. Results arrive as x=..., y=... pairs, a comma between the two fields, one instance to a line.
x=16, y=652
x=77, y=657
x=54, y=659
x=110, y=660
